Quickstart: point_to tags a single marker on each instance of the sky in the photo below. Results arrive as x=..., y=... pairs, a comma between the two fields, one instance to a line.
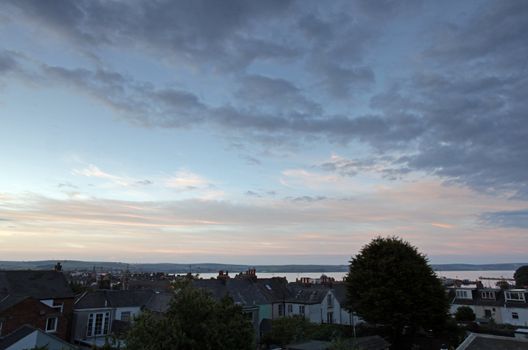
x=263, y=132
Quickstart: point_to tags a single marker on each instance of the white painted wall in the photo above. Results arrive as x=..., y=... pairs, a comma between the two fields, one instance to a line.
x=506, y=313
x=134, y=312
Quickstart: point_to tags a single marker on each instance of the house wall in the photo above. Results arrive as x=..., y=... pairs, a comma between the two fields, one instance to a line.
x=313, y=313
x=134, y=312
x=33, y=312
x=480, y=312
x=80, y=321
x=334, y=307
x=347, y=318
x=506, y=313
x=264, y=312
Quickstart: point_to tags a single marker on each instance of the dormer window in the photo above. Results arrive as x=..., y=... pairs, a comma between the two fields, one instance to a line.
x=463, y=294
x=487, y=295
x=515, y=296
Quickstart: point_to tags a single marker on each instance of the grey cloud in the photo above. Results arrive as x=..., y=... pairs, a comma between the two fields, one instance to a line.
x=253, y=194
x=342, y=81
x=307, y=199
x=191, y=31
x=145, y=182
x=508, y=219
x=278, y=93
x=461, y=116
x=8, y=61
x=67, y=185
x=251, y=160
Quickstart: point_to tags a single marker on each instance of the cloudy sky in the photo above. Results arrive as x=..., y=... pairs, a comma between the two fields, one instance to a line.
x=262, y=131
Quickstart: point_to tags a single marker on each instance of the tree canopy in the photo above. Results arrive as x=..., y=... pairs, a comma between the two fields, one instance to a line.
x=391, y=283
x=194, y=321
x=521, y=276
x=465, y=314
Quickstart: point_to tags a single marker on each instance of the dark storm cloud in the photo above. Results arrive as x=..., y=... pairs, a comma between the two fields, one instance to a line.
x=508, y=219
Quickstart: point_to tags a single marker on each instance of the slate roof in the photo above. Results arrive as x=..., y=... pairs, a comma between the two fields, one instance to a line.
x=14, y=337
x=313, y=294
x=340, y=292
x=243, y=291
x=498, y=301
x=11, y=300
x=36, y=284
x=113, y=298
x=159, y=302
x=374, y=342
x=274, y=289
x=492, y=342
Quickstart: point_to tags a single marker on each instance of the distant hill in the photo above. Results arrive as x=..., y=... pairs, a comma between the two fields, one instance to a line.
x=71, y=265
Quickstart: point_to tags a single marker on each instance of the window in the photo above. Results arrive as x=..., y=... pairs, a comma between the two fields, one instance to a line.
x=463, y=294
x=290, y=308
x=51, y=324
x=330, y=317
x=515, y=296
x=98, y=324
x=301, y=309
x=329, y=299
x=515, y=315
x=125, y=316
x=281, y=309
x=487, y=313
x=487, y=295
x=1, y=325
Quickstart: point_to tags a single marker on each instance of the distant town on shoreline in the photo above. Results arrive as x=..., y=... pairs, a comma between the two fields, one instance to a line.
x=215, y=267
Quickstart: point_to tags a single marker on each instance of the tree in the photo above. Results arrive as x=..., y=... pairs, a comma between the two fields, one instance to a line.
x=391, y=283
x=289, y=330
x=194, y=321
x=465, y=314
x=521, y=276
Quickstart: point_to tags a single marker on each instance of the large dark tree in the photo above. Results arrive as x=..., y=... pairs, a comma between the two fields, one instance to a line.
x=392, y=284
x=194, y=321
x=521, y=276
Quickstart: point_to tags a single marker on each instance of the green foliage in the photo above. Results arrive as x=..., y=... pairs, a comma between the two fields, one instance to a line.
x=391, y=283
x=289, y=330
x=521, y=276
x=465, y=314
x=194, y=321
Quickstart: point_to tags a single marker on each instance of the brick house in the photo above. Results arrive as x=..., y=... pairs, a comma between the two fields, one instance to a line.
x=42, y=299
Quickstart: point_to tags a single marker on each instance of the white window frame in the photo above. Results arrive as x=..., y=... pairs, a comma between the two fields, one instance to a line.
x=290, y=308
x=105, y=324
x=128, y=315
x=520, y=296
x=463, y=294
x=302, y=309
x=55, y=324
x=487, y=295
